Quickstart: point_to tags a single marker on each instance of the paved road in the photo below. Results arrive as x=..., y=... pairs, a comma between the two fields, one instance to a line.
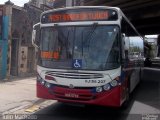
x=17, y=94
x=144, y=100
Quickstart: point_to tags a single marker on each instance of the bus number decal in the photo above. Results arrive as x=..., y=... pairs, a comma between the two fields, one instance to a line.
x=95, y=81
x=101, y=81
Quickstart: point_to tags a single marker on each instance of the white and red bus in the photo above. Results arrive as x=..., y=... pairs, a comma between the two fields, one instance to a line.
x=85, y=55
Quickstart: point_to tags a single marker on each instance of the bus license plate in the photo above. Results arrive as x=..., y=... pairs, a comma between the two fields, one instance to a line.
x=71, y=95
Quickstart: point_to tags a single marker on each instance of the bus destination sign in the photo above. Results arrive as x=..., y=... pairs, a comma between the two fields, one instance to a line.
x=79, y=15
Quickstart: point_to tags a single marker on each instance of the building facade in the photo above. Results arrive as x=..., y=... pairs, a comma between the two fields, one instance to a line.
x=17, y=55
x=57, y=3
x=23, y=57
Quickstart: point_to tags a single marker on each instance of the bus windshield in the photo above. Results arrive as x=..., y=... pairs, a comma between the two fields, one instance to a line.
x=97, y=47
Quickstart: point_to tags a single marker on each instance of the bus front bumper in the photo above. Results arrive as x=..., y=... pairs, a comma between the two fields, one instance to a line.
x=83, y=96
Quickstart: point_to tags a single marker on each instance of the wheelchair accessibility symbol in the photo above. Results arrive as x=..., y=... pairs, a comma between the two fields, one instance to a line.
x=77, y=63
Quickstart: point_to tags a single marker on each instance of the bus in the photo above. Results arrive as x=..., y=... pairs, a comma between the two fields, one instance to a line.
x=85, y=55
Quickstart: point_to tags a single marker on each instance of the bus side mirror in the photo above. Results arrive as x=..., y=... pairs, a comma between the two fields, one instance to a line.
x=123, y=36
x=35, y=40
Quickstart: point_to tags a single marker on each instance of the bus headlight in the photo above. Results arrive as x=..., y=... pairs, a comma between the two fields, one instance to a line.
x=48, y=85
x=42, y=82
x=114, y=83
x=106, y=87
x=99, y=89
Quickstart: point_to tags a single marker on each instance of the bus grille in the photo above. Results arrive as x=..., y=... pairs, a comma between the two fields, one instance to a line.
x=73, y=75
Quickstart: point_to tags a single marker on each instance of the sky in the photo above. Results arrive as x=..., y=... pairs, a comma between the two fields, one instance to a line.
x=16, y=2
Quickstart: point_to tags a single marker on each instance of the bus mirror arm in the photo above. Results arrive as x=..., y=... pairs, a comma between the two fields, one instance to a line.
x=34, y=36
x=33, y=39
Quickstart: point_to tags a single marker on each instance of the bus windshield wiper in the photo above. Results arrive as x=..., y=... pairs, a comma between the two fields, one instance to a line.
x=89, y=36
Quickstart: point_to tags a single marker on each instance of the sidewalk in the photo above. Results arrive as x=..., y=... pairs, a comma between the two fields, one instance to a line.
x=18, y=94
x=14, y=94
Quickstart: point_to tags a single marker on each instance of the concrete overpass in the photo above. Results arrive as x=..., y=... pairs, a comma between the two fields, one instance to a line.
x=144, y=14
